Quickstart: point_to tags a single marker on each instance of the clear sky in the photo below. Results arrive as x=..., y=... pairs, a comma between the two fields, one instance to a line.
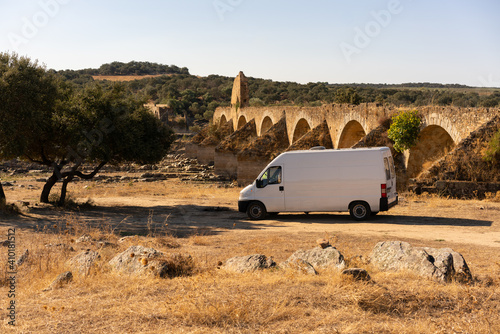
x=336, y=41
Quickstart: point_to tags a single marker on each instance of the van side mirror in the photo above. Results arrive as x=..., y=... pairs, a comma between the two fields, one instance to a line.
x=258, y=183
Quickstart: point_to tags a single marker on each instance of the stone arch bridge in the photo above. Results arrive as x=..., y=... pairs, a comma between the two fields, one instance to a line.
x=442, y=128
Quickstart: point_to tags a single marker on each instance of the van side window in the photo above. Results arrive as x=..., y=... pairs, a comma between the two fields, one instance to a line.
x=387, y=169
x=391, y=164
x=271, y=176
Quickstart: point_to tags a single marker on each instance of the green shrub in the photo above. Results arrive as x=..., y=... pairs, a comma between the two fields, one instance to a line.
x=492, y=154
x=404, y=130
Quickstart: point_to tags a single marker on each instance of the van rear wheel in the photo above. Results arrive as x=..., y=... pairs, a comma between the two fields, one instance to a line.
x=256, y=211
x=360, y=211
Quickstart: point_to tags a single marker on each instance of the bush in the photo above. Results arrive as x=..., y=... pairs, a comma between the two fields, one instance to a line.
x=404, y=130
x=492, y=154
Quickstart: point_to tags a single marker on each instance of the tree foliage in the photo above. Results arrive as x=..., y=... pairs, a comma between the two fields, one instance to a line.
x=197, y=95
x=45, y=120
x=404, y=130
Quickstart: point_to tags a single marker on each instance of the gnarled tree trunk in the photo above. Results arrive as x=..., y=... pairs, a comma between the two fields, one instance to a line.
x=67, y=177
x=2, y=195
x=44, y=197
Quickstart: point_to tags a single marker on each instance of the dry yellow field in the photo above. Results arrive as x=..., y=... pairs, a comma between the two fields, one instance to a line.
x=202, y=220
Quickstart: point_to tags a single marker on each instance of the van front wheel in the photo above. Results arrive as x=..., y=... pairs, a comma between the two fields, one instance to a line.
x=256, y=211
x=359, y=211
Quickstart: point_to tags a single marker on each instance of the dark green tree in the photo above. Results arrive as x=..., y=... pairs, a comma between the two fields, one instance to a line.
x=347, y=95
x=29, y=96
x=44, y=121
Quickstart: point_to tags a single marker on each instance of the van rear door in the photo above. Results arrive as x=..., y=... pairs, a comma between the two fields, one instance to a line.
x=390, y=173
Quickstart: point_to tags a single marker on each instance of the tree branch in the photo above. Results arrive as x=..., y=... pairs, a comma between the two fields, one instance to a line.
x=91, y=175
x=36, y=161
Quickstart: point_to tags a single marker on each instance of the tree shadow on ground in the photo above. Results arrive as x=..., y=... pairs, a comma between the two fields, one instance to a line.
x=178, y=220
x=187, y=220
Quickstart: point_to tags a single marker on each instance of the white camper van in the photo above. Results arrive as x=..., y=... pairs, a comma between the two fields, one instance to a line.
x=362, y=181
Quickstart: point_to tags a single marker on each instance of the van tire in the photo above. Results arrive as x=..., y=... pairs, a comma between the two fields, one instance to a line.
x=359, y=211
x=256, y=211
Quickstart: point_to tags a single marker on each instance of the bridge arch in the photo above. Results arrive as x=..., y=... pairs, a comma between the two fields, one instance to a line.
x=241, y=122
x=267, y=123
x=223, y=120
x=352, y=133
x=433, y=143
x=301, y=128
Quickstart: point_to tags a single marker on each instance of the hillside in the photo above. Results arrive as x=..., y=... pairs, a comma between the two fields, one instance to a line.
x=198, y=97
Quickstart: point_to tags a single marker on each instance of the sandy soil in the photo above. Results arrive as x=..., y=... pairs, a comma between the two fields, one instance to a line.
x=180, y=209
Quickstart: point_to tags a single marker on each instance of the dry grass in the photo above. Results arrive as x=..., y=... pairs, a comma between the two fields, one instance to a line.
x=211, y=300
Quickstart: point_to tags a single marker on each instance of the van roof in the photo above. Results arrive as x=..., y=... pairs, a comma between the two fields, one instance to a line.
x=361, y=149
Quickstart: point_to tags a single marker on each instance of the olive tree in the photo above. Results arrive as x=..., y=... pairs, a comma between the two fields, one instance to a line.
x=44, y=120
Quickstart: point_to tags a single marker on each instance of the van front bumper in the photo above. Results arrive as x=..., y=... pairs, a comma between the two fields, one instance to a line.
x=385, y=205
x=243, y=205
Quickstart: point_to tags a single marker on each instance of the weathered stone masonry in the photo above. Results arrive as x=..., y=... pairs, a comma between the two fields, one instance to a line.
x=442, y=128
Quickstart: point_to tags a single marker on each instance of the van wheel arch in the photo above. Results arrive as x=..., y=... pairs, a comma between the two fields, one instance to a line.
x=256, y=210
x=359, y=210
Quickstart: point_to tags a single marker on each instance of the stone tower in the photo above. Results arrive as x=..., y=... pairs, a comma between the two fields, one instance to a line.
x=240, y=91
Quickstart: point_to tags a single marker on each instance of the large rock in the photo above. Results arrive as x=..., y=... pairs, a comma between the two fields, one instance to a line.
x=319, y=258
x=249, y=263
x=84, y=261
x=443, y=264
x=60, y=281
x=139, y=260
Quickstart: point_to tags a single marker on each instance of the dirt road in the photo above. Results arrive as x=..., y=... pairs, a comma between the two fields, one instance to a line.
x=164, y=207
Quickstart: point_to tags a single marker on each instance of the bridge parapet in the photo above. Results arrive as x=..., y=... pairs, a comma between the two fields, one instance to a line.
x=342, y=119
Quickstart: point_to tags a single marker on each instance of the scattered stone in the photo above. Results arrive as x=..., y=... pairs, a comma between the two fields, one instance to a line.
x=84, y=261
x=139, y=260
x=64, y=247
x=35, y=171
x=443, y=265
x=151, y=175
x=61, y=280
x=84, y=238
x=319, y=258
x=129, y=237
x=323, y=243
x=22, y=258
x=5, y=243
x=106, y=244
x=357, y=273
x=458, y=268
x=8, y=184
x=249, y=263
